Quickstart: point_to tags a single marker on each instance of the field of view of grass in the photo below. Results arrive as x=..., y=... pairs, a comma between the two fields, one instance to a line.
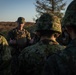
x=7, y=26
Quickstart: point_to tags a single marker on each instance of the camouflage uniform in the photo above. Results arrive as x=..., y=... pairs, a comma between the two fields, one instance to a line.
x=22, y=38
x=5, y=57
x=32, y=59
x=64, y=63
x=18, y=35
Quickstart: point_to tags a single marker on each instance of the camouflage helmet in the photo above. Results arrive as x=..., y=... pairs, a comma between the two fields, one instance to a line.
x=48, y=22
x=21, y=20
x=69, y=18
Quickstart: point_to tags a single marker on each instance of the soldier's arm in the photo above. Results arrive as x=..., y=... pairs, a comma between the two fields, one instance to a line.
x=11, y=35
x=28, y=35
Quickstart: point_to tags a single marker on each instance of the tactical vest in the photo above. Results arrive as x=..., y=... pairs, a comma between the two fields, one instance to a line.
x=21, y=36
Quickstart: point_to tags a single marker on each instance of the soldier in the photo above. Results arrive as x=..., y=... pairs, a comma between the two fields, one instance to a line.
x=64, y=63
x=5, y=57
x=35, y=34
x=32, y=59
x=18, y=38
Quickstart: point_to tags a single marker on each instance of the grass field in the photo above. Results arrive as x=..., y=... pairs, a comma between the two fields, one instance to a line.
x=5, y=27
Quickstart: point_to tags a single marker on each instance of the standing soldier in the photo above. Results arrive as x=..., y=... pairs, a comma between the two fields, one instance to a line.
x=65, y=62
x=32, y=59
x=5, y=57
x=18, y=38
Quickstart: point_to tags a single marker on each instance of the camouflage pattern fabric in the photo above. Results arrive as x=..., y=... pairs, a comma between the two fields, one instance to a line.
x=63, y=63
x=5, y=57
x=48, y=22
x=32, y=58
x=21, y=36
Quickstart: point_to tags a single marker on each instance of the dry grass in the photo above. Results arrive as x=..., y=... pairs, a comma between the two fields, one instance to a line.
x=7, y=26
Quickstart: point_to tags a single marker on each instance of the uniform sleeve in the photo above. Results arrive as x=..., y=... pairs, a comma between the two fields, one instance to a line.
x=11, y=34
x=28, y=36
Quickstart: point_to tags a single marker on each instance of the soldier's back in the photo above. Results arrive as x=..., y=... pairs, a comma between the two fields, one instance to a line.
x=33, y=58
x=63, y=63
